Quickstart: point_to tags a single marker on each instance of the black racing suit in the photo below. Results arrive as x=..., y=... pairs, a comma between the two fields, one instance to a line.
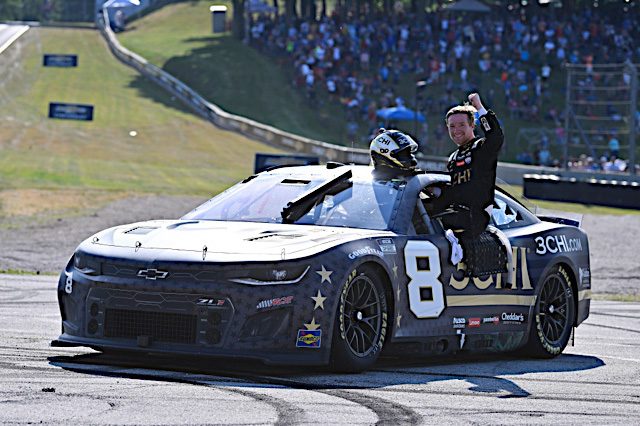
x=473, y=177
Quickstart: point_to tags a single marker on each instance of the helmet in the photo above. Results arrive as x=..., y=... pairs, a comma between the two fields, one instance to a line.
x=393, y=149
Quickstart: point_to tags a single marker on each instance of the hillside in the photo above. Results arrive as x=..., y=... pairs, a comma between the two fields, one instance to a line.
x=141, y=140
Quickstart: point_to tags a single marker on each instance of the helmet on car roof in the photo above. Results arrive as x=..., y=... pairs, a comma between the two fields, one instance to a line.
x=393, y=149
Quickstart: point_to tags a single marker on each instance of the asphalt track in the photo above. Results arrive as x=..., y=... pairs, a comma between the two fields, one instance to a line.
x=597, y=381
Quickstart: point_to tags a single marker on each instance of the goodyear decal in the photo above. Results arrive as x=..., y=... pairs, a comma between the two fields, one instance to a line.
x=309, y=339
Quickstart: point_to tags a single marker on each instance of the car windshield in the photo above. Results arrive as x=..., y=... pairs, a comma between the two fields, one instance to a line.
x=365, y=204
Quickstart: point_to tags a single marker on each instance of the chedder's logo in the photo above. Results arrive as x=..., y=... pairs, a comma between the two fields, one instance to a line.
x=512, y=318
x=474, y=322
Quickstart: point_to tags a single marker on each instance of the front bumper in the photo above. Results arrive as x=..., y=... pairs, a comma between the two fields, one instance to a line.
x=215, y=319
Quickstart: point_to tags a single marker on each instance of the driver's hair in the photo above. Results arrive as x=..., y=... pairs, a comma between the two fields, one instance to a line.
x=467, y=110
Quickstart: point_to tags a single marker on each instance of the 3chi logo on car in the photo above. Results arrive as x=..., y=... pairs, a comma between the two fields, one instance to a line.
x=557, y=244
x=489, y=281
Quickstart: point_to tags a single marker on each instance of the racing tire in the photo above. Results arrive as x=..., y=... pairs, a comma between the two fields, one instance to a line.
x=554, y=315
x=361, y=324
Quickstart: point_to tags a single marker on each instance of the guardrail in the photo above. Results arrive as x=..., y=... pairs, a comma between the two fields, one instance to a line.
x=509, y=173
x=213, y=113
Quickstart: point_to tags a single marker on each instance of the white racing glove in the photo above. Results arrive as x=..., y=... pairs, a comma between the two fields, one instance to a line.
x=456, y=248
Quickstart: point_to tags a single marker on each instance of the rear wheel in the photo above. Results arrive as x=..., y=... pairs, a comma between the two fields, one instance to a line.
x=361, y=322
x=555, y=315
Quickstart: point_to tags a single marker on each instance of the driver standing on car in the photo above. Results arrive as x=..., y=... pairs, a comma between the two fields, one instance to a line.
x=473, y=171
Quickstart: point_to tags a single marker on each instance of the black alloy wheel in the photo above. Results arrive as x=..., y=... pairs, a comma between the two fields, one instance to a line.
x=554, y=315
x=361, y=323
x=362, y=316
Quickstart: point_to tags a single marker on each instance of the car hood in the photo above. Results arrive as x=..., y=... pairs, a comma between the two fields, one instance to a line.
x=221, y=241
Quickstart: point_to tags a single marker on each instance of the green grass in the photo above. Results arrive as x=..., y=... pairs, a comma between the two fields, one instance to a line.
x=23, y=272
x=178, y=38
x=616, y=297
x=173, y=151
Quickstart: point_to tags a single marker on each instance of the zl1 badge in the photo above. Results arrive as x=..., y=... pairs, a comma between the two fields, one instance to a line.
x=309, y=338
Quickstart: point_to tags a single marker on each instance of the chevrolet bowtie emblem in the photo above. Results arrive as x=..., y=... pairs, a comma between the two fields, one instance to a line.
x=152, y=274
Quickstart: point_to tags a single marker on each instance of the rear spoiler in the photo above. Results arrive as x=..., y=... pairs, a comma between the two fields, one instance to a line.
x=561, y=220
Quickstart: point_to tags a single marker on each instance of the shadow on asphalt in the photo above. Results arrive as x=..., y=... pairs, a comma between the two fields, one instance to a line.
x=482, y=372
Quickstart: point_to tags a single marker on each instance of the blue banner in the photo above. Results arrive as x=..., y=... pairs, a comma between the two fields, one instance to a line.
x=70, y=111
x=63, y=61
x=264, y=161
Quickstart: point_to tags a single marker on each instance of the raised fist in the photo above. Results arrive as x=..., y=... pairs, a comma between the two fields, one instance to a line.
x=474, y=99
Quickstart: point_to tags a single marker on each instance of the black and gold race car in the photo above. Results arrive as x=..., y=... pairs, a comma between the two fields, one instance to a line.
x=326, y=264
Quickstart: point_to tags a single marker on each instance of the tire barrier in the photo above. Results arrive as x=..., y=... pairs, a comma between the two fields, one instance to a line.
x=603, y=192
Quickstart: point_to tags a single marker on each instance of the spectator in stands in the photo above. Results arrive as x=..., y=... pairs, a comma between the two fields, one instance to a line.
x=614, y=146
x=118, y=21
x=364, y=59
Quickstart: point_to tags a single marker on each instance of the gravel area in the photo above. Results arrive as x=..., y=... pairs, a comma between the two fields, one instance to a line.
x=46, y=246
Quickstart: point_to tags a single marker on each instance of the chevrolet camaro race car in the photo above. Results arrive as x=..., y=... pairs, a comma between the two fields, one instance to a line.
x=327, y=264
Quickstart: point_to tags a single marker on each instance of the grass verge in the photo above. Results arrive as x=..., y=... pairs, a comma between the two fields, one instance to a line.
x=616, y=297
x=179, y=39
x=135, y=144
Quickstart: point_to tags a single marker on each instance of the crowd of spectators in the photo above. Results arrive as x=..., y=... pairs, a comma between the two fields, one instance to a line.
x=359, y=62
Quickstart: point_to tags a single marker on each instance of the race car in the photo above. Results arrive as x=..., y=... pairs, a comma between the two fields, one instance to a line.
x=325, y=265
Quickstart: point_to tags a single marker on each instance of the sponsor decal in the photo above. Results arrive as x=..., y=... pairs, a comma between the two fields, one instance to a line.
x=461, y=177
x=485, y=123
x=365, y=251
x=474, y=322
x=210, y=302
x=585, y=277
x=459, y=322
x=309, y=339
x=62, y=61
x=491, y=320
x=512, y=318
x=496, y=279
x=557, y=244
x=384, y=139
x=277, y=301
x=387, y=245
x=70, y=111
x=152, y=274
x=460, y=163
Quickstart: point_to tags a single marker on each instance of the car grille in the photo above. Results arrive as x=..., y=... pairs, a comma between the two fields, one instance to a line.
x=159, y=326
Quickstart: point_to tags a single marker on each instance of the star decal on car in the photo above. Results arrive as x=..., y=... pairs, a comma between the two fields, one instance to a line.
x=319, y=299
x=326, y=275
x=313, y=325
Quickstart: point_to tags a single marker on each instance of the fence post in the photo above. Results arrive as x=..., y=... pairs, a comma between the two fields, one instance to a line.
x=633, y=107
x=569, y=110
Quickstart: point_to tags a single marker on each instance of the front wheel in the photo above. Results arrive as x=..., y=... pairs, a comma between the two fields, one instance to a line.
x=361, y=322
x=554, y=315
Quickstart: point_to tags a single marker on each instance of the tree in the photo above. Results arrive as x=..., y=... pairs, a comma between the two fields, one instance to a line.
x=237, y=26
x=10, y=9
